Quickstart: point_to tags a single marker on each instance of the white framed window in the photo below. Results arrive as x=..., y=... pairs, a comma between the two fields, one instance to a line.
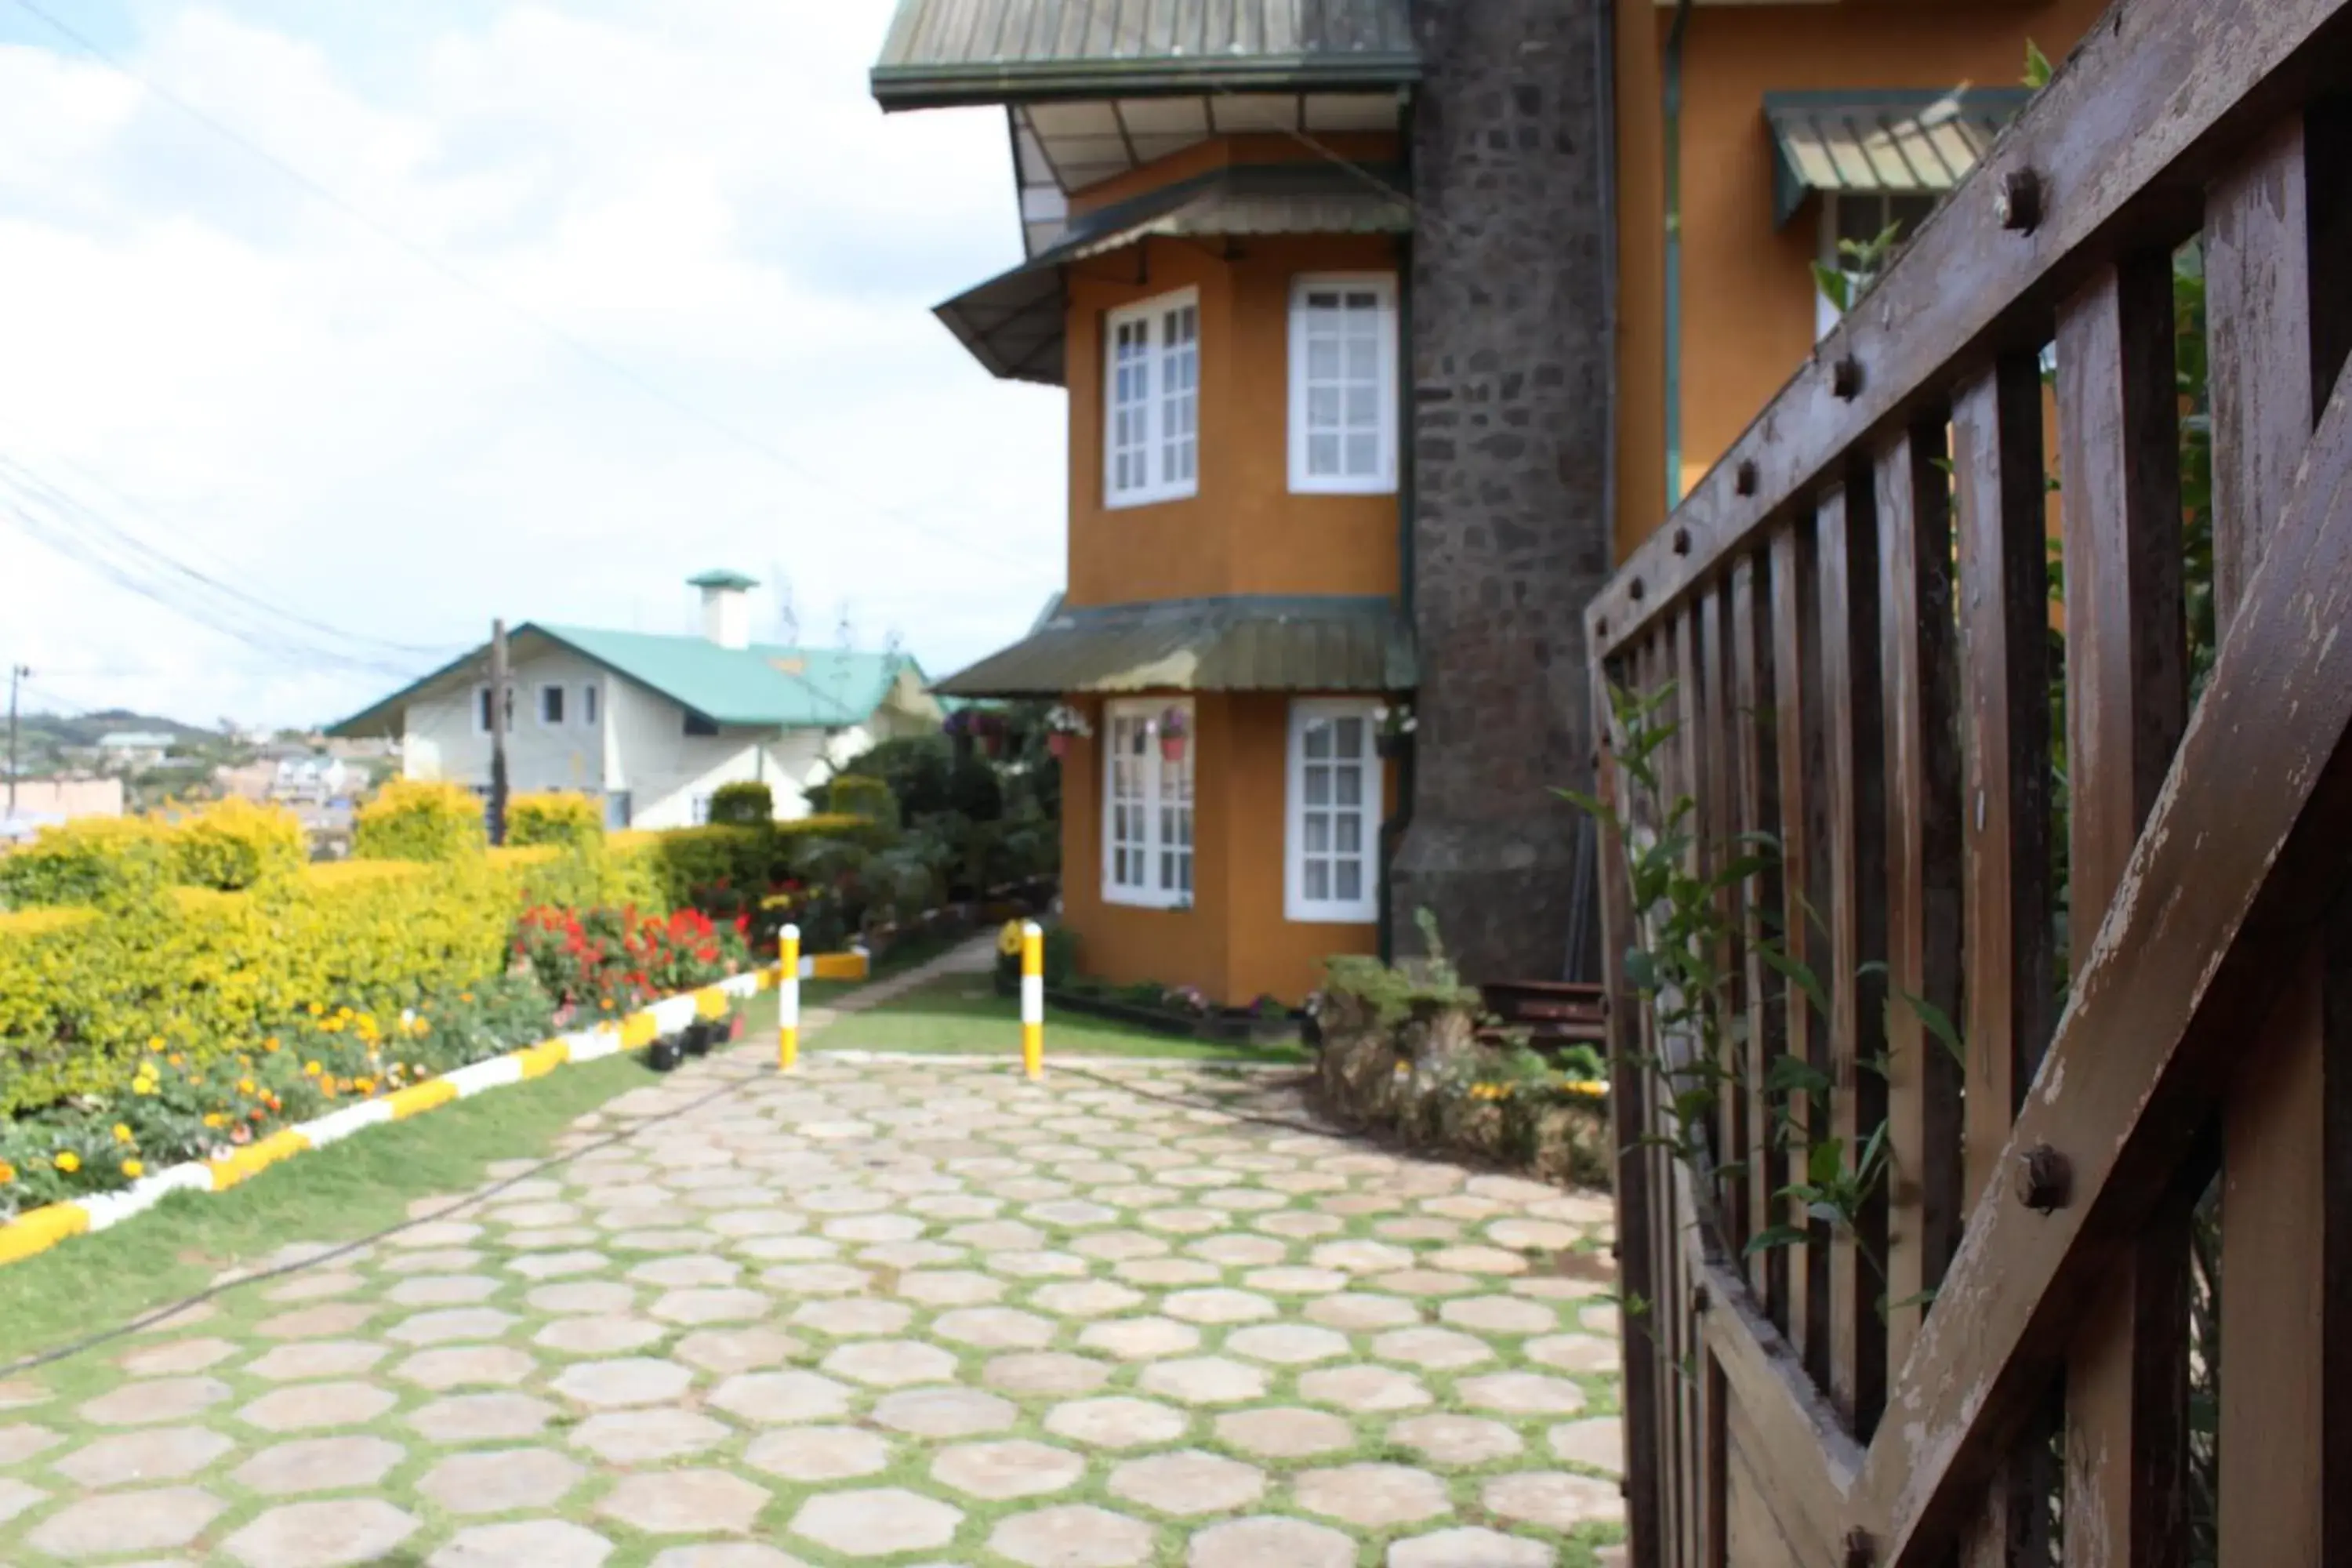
x=1147, y=806
x=590, y=698
x=1343, y=382
x=1151, y=400
x=550, y=705
x=1859, y=218
x=1332, y=835
x=482, y=709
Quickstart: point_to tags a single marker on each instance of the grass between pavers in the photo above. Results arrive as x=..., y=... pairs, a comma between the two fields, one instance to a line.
x=342, y=1192
x=962, y=1014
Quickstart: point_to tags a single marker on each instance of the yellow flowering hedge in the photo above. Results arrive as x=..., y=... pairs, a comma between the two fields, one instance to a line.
x=83, y=992
x=412, y=819
x=553, y=816
x=234, y=843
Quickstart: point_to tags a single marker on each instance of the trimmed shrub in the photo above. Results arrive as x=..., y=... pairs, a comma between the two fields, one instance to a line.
x=747, y=803
x=234, y=843
x=859, y=794
x=89, y=860
x=553, y=816
x=410, y=819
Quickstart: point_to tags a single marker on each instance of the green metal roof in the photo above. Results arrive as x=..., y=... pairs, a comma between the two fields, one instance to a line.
x=764, y=685
x=1898, y=141
x=1239, y=643
x=1014, y=323
x=944, y=52
x=722, y=578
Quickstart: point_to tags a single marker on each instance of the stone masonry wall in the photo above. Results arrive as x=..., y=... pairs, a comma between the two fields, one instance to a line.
x=1510, y=431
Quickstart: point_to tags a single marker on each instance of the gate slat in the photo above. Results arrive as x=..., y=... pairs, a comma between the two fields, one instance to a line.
x=2127, y=704
x=1919, y=655
x=1720, y=814
x=1688, y=778
x=2276, y=246
x=1800, y=744
x=1629, y=1102
x=2005, y=871
x=1855, y=908
x=1759, y=813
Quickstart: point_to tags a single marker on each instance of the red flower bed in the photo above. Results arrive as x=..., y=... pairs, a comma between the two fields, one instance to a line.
x=604, y=961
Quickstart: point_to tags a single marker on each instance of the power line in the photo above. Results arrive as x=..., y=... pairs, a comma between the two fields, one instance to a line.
x=585, y=351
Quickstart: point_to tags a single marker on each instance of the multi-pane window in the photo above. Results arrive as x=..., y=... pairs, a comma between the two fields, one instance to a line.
x=1147, y=806
x=1151, y=416
x=1343, y=384
x=1335, y=813
x=550, y=704
x=588, y=702
x=482, y=709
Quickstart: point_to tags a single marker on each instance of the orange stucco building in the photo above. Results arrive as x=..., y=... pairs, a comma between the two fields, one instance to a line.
x=1387, y=326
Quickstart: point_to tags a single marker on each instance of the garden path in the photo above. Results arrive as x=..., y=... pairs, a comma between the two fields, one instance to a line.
x=905, y=1310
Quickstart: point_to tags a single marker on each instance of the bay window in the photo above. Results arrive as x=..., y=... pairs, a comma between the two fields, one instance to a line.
x=1151, y=412
x=1333, y=825
x=1147, y=806
x=1343, y=384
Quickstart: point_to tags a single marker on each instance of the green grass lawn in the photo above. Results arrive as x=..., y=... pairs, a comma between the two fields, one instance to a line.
x=962, y=1014
x=343, y=1190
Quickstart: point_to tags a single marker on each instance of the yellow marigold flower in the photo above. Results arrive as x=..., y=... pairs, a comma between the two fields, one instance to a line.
x=7, y=1172
x=122, y=1132
x=318, y=1009
x=156, y=1044
x=245, y=1086
x=134, y=1169
x=606, y=1004
x=271, y=1045
x=364, y=1085
x=312, y=1069
x=176, y=1059
x=214, y=1118
x=145, y=1086
x=68, y=1162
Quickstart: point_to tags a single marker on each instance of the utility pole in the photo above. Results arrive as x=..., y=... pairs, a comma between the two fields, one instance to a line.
x=17, y=675
x=498, y=732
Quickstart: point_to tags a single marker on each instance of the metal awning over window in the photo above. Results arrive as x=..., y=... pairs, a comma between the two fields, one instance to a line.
x=1014, y=323
x=1890, y=142
x=1238, y=643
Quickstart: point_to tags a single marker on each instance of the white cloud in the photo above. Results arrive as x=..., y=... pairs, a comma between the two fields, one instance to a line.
x=698, y=192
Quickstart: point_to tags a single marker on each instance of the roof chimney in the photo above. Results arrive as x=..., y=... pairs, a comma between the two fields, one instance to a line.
x=725, y=617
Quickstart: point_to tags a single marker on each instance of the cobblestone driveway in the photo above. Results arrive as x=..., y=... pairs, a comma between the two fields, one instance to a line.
x=881, y=1311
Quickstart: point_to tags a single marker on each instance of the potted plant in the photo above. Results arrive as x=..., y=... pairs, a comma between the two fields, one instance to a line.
x=663, y=1054
x=1174, y=727
x=1392, y=726
x=1063, y=724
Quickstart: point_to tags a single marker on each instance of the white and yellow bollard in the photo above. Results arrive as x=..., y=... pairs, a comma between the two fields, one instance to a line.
x=788, y=998
x=1032, y=999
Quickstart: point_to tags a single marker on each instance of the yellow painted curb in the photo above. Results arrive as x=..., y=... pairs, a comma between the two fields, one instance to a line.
x=538, y=1060
x=419, y=1098
x=230, y=1169
x=710, y=1003
x=37, y=1230
x=838, y=966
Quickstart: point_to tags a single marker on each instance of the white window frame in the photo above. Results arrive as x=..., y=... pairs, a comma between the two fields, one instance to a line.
x=1157, y=890
x=1825, y=310
x=478, y=707
x=1382, y=480
x=539, y=710
x=1296, y=905
x=1156, y=361
x=592, y=704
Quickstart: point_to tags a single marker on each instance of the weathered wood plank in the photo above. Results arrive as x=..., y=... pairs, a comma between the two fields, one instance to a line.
x=1918, y=657
x=1686, y=778
x=2004, y=682
x=2127, y=704
x=1802, y=745
x=2252, y=841
x=2156, y=100
x=1629, y=1112
x=1759, y=813
x=1855, y=907
x=1720, y=813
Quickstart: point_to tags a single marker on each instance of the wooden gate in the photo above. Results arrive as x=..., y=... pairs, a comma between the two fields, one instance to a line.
x=1981, y=1349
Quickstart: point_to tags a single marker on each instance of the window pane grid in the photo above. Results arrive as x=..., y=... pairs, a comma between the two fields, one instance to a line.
x=1334, y=808
x=1151, y=412
x=1148, y=813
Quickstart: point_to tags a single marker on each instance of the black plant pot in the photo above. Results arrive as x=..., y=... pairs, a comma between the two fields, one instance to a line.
x=663, y=1053
x=697, y=1037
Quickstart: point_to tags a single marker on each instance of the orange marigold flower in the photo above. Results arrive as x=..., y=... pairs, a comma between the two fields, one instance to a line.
x=7, y=1173
x=271, y=1045
x=175, y=1059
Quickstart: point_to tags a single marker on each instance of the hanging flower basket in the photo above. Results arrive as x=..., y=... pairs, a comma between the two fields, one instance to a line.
x=1057, y=743
x=1392, y=729
x=1174, y=728
x=1063, y=724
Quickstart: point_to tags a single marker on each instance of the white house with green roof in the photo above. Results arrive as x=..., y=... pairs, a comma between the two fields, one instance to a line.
x=652, y=725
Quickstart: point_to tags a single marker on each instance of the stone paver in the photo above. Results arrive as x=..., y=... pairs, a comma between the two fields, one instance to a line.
x=920, y=1313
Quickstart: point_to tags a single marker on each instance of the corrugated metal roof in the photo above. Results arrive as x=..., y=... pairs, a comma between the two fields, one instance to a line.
x=1014, y=323
x=941, y=52
x=1897, y=141
x=1240, y=643
x=764, y=685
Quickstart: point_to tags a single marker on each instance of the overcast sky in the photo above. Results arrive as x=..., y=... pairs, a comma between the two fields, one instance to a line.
x=581, y=261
